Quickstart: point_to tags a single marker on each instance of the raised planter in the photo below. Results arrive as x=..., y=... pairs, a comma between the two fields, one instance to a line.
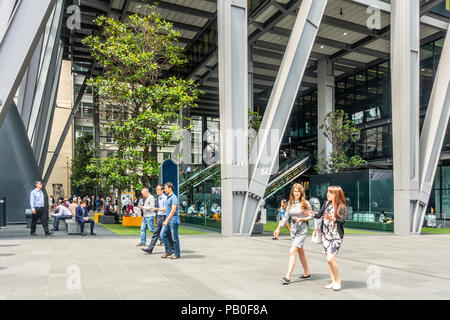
x=370, y=225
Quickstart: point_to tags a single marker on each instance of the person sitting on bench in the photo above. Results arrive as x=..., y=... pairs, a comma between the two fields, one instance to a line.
x=83, y=217
x=109, y=212
x=60, y=213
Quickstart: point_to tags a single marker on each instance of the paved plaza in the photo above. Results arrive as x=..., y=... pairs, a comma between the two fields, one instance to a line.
x=216, y=267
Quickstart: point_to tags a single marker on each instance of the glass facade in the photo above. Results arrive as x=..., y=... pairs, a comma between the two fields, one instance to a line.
x=366, y=97
x=367, y=192
x=85, y=110
x=202, y=203
x=440, y=195
x=81, y=130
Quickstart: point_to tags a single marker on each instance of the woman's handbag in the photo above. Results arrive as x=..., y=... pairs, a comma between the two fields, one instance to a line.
x=317, y=234
x=317, y=237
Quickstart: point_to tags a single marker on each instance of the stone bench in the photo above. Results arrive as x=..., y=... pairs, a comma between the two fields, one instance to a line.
x=258, y=228
x=72, y=226
x=106, y=219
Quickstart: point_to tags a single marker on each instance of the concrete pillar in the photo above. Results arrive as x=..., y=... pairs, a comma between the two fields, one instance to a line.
x=325, y=104
x=233, y=89
x=405, y=49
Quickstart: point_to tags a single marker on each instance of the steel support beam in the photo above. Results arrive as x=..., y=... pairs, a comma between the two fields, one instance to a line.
x=325, y=104
x=433, y=133
x=26, y=24
x=387, y=7
x=52, y=107
x=430, y=5
x=265, y=150
x=66, y=129
x=51, y=80
x=233, y=88
x=46, y=68
x=28, y=85
x=6, y=11
x=405, y=75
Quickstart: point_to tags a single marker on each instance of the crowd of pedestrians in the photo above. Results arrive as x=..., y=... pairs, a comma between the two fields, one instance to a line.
x=160, y=215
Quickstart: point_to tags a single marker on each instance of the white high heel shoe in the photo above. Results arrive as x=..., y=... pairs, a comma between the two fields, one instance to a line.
x=329, y=286
x=337, y=286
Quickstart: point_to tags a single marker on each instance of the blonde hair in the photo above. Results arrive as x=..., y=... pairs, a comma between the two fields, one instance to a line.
x=303, y=203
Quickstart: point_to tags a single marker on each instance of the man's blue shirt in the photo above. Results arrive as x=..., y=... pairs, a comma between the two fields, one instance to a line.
x=36, y=199
x=171, y=200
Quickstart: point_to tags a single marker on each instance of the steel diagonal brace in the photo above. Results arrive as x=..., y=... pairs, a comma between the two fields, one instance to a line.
x=433, y=134
x=27, y=24
x=265, y=151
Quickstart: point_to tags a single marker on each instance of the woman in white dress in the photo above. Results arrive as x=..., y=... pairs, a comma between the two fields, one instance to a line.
x=297, y=209
x=333, y=214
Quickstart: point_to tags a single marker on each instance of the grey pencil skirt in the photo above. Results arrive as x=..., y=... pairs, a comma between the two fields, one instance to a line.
x=298, y=234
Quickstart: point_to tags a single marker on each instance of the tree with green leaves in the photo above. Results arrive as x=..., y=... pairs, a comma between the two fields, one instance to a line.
x=341, y=132
x=81, y=177
x=254, y=123
x=142, y=108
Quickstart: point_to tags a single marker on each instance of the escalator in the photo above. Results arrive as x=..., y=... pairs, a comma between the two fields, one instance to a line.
x=198, y=177
x=285, y=176
x=289, y=171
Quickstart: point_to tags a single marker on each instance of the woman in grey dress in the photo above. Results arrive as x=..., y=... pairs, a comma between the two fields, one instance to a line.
x=297, y=209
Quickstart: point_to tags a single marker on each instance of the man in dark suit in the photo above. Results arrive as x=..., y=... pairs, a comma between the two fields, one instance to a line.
x=82, y=217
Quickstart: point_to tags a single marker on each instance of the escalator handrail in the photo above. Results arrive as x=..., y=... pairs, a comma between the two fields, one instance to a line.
x=303, y=161
x=280, y=176
x=199, y=173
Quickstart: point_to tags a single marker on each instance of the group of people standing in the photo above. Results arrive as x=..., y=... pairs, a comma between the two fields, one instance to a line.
x=162, y=219
x=330, y=221
x=76, y=210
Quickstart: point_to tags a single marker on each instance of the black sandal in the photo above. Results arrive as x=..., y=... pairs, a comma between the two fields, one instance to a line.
x=285, y=280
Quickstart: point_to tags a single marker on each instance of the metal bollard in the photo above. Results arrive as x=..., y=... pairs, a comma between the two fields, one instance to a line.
x=3, y=211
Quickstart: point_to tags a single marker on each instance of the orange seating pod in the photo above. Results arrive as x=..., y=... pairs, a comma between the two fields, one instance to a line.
x=96, y=216
x=131, y=221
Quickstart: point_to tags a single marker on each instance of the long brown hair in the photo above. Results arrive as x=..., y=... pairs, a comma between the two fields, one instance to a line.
x=339, y=199
x=303, y=203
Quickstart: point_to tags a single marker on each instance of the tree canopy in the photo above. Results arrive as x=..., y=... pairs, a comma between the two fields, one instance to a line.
x=141, y=106
x=341, y=132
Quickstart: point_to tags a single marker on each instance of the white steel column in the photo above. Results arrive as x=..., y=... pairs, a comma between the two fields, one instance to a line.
x=405, y=49
x=433, y=133
x=6, y=9
x=282, y=98
x=325, y=104
x=18, y=44
x=233, y=97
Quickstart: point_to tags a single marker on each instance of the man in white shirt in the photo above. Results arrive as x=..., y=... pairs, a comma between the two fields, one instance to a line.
x=192, y=209
x=60, y=213
x=148, y=216
x=160, y=218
